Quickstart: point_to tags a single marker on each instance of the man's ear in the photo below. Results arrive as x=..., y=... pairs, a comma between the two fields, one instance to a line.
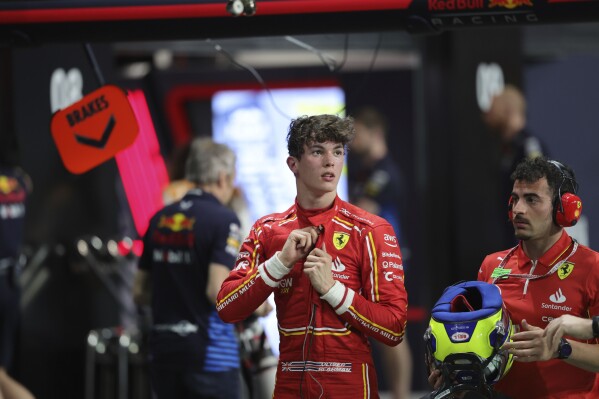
x=222, y=178
x=292, y=164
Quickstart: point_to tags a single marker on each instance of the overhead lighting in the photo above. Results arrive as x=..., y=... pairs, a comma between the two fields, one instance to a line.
x=163, y=59
x=241, y=7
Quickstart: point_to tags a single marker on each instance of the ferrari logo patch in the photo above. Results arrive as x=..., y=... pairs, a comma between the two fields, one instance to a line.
x=340, y=239
x=564, y=270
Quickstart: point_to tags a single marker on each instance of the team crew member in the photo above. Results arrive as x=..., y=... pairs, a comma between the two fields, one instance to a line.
x=575, y=327
x=15, y=185
x=335, y=270
x=189, y=249
x=376, y=184
x=547, y=275
x=506, y=119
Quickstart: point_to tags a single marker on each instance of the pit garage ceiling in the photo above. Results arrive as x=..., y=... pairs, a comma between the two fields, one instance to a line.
x=355, y=50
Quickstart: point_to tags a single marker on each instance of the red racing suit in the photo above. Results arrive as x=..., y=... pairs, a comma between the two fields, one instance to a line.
x=323, y=339
x=565, y=280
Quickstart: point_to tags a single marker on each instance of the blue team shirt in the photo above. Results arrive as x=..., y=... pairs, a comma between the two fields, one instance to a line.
x=182, y=240
x=13, y=196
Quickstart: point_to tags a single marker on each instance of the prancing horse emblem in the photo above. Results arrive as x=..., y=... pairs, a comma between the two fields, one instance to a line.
x=564, y=270
x=340, y=239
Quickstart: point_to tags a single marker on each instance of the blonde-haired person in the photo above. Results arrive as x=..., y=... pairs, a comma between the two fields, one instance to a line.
x=189, y=248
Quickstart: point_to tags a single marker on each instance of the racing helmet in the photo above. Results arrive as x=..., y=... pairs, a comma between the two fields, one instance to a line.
x=468, y=326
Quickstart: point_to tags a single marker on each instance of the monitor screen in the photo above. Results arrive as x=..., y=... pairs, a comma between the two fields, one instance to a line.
x=254, y=123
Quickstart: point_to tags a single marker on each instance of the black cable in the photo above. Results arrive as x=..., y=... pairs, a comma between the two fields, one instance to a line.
x=309, y=328
x=345, y=51
x=369, y=71
x=251, y=70
x=376, y=52
x=330, y=63
x=96, y=67
x=326, y=60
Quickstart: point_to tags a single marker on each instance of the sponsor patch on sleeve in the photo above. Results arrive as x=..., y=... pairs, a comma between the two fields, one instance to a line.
x=233, y=240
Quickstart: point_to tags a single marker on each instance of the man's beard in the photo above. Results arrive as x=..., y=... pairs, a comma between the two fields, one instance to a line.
x=521, y=235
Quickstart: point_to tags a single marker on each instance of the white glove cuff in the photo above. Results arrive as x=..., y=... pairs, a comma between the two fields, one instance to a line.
x=339, y=297
x=272, y=271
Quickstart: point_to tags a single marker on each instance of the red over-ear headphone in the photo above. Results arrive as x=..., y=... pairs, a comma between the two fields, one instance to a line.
x=568, y=206
x=569, y=210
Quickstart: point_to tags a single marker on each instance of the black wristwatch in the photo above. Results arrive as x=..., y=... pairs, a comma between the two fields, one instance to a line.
x=596, y=326
x=564, y=349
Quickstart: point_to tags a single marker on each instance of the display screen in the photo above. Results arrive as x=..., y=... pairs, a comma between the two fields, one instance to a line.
x=254, y=123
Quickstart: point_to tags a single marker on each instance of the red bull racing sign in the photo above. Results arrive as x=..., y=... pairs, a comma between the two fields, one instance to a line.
x=458, y=13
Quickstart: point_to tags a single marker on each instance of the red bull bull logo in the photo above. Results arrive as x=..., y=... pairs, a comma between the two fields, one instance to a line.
x=510, y=4
x=11, y=191
x=176, y=222
x=8, y=184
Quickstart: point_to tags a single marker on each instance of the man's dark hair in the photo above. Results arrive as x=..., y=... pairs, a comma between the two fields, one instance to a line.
x=560, y=177
x=371, y=118
x=307, y=130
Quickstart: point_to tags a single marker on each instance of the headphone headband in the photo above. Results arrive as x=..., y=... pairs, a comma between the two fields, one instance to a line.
x=565, y=175
x=567, y=206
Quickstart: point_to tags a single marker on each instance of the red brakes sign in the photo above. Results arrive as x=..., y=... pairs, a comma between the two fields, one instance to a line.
x=94, y=129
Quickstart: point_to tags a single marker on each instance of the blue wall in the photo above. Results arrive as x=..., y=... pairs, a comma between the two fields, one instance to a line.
x=563, y=109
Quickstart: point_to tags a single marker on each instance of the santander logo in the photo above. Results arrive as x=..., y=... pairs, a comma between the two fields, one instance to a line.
x=558, y=297
x=337, y=266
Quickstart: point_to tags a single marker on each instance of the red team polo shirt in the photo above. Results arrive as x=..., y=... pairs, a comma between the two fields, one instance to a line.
x=572, y=288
